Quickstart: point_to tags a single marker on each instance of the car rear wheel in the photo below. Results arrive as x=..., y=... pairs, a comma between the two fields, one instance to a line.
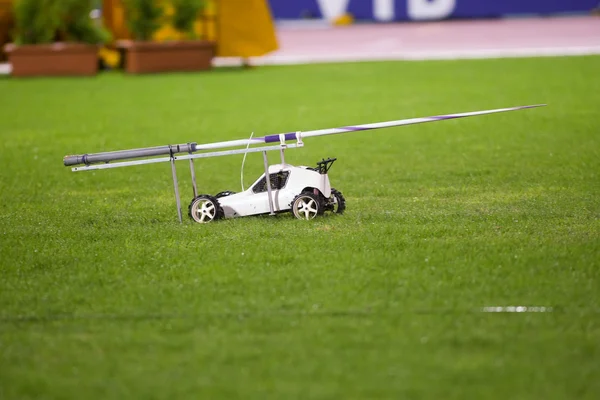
x=336, y=203
x=306, y=206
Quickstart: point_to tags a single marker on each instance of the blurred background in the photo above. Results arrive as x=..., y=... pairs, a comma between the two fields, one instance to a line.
x=104, y=294
x=247, y=32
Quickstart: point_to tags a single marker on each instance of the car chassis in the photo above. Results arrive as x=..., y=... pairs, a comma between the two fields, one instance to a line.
x=304, y=191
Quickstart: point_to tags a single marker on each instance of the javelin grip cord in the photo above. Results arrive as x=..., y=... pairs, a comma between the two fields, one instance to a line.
x=108, y=156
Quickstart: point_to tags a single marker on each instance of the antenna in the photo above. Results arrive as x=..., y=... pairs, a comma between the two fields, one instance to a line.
x=244, y=160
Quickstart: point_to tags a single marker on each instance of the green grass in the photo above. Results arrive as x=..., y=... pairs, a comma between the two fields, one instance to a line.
x=103, y=294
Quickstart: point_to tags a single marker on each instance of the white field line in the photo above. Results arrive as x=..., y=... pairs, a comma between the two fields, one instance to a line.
x=413, y=55
x=5, y=68
x=517, y=309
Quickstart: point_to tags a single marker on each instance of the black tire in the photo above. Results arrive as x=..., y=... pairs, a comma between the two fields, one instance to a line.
x=306, y=206
x=336, y=202
x=205, y=208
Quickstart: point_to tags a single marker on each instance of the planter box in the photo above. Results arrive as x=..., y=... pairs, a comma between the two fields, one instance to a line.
x=174, y=56
x=57, y=59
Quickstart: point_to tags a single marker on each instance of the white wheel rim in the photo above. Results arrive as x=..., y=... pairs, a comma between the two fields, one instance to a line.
x=204, y=211
x=306, y=208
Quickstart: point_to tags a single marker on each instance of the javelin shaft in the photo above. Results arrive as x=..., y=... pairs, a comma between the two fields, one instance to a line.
x=411, y=121
x=377, y=125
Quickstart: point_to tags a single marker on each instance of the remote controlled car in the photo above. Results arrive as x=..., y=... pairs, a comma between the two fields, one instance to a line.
x=304, y=191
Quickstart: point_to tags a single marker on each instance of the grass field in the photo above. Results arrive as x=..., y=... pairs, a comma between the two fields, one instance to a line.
x=103, y=294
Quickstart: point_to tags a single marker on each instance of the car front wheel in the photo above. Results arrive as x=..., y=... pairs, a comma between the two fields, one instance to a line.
x=205, y=208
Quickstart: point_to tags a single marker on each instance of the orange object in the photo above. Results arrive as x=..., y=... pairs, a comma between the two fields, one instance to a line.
x=113, y=15
x=345, y=19
x=6, y=25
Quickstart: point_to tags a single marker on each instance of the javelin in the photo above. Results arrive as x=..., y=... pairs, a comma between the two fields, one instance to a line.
x=193, y=147
x=355, y=128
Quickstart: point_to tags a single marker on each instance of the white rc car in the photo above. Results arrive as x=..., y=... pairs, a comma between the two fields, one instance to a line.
x=305, y=191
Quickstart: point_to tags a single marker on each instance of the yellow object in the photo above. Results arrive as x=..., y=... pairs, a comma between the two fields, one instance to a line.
x=345, y=19
x=110, y=57
x=245, y=28
x=166, y=31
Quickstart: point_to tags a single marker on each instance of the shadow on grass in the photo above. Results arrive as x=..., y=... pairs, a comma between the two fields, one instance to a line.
x=250, y=314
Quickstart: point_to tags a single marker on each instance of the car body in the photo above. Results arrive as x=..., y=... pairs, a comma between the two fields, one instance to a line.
x=306, y=191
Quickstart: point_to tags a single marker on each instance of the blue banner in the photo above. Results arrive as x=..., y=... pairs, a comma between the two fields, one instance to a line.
x=418, y=10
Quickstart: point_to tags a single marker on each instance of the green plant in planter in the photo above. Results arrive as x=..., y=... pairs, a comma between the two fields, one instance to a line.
x=78, y=26
x=36, y=21
x=143, y=17
x=45, y=21
x=185, y=15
